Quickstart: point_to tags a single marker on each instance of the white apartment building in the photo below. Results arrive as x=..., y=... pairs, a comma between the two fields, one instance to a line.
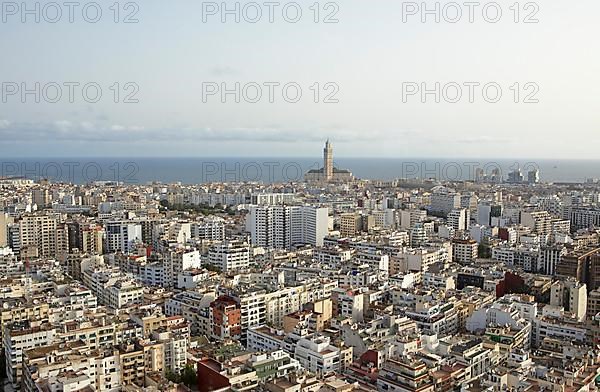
x=18, y=338
x=229, y=255
x=459, y=219
x=272, y=198
x=317, y=355
x=554, y=324
x=179, y=232
x=264, y=339
x=550, y=256
x=584, y=217
x=385, y=218
x=571, y=295
x=420, y=259
x=212, y=228
x=332, y=256
x=539, y=222
x=259, y=306
x=111, y=287
x=314, y=351
x=180, y=260
x=108, y=368
x=522, y=256
x=122, y=235
x=376, y=260
x=123, y=293
x=153, y=274
x=283, y=227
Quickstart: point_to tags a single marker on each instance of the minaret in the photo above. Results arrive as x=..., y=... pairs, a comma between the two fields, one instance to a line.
x=328, y=161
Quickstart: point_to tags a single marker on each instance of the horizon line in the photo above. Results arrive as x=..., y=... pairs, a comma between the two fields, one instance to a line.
x=297, y=157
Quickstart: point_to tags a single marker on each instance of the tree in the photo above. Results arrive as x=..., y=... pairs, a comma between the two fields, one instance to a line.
x=173, y=377
x=188, y=376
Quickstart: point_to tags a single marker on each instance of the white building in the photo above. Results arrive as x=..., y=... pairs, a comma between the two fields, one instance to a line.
x=282, y=227
x=316, y=354
x=229, y=255
x=18, y=338
x=459, y=219
x=209, y=229
x=122, y=235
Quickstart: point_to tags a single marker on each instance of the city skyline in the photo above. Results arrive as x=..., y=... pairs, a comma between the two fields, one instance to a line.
x=299, y=196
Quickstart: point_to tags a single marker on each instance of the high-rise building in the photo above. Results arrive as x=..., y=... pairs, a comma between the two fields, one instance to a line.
x=584, y=217
x=282, y=227
x=210, y=229
x=464, y=251
x=3, y=230
x=571, y=295
x=533, y=176
x=38, y=234
x=328, y=161
x=41, y=198
x=459, y=219
x=350, y=224
x=540, y=222
x=121, y=236
x=515, y=177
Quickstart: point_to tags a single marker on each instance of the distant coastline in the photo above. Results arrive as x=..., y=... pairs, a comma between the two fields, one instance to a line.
x=269, y=170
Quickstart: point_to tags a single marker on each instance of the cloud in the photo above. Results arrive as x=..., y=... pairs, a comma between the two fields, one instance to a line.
x=124, y=128
x=88, y=131
x=484, y=140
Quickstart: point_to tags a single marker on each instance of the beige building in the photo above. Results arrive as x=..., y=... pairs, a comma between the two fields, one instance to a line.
x=39, y=232
x=351, y=224
x=464, y=251
x=17, y=309
x=4, y=221
x=132, y=365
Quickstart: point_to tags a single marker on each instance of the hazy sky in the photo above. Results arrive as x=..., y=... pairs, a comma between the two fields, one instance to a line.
x=171, y=54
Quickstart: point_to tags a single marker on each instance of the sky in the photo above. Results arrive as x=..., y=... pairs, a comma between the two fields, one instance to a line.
x=360, y=66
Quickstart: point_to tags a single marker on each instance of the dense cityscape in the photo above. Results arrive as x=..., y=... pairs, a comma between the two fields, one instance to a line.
x=330, y=284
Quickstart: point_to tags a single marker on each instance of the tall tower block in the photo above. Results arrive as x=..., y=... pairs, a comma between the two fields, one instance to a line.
x=328, y=161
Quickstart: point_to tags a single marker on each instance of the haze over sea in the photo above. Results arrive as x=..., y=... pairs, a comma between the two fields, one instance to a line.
x=268, y=170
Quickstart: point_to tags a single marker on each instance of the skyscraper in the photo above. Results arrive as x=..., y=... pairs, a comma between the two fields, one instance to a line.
x=328, y=161
x=282, y=227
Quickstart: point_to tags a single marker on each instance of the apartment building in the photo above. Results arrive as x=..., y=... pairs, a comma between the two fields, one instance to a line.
x=464, y=251
x=121, y=236
x=404, y=375
x=282, y=227
x=19, y=337
x=444, y=200
x=226, y=318
x=230, y=255
x=459, y=219
x=38, y=234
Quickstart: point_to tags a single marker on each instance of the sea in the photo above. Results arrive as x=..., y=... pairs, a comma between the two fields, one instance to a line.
x=275, y=170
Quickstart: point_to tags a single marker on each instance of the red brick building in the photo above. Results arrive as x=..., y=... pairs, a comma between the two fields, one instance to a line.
x=226, y=318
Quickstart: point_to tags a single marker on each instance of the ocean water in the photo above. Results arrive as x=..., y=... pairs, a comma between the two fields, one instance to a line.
x=268, y=170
